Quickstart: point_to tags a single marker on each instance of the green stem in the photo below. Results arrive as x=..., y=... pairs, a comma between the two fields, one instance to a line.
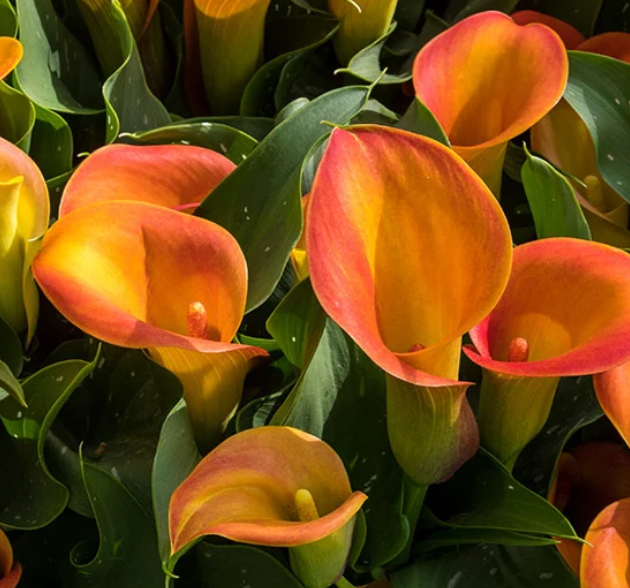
x=343, y=583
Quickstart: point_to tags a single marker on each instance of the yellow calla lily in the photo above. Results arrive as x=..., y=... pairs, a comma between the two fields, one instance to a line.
x=24, y=212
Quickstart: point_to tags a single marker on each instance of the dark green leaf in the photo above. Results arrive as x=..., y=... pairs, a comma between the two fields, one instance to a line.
x=17, y=116
x=312, y=32
x=56, y=72
x=483, y=494
x=420, y=120
x=9, y=386
x=366, y=64
x=241, y=566
x=127, y=556
x=176, y=457
x=130, y=105
x=599, y=90
x=552, y=201
x=265, y=217
x=10, y=348
x=234, y=144
x=8, y=19
x=52, y=144
x=487, y=566
x=460, y=9
x=575, y=406
x=408, y=13
x=29, y=496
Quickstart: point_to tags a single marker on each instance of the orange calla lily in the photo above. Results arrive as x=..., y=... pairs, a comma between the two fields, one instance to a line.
x=274, y=486
x=162, y=280
x=407, y=249
x=228, y=37
x=24, y=212
x=176, y=176
x=565, y=312
x=487, y=80
x=570, y=36
x=362, y=22
x=11, y=52
x=588, y=478
x=563, y=138
x=605, y=556
x=10, y=571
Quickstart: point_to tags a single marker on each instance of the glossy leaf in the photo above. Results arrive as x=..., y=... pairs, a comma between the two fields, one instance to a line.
x=9, y=386
x=175, y=459
x=56, y=71
x=552, y=201
x=30, y=496
x=597, y=90
x=487, y=566
x=420, y=120
x=265, y=217
x=17, y=116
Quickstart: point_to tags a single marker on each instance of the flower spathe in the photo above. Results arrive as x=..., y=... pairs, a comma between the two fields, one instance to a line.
x=400, y=235
x=226, y=40
x=487, y=80
x=273, y=486
x=362, y=22
x=11, y=52
x=175, y=176
x=162, y=280
x=10, y=571
x=24, y=212
x=565, y=312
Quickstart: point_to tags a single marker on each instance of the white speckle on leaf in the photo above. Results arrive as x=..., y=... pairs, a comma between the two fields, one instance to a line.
x=493, y=571
x=546, y=576
x=223, y=147
x=19, y=414
x=293, y=339
x=455, y=580
x=611, y=157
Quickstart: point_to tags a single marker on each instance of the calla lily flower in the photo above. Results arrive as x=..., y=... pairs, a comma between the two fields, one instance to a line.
x=362, y=22
x=564, y=139
x=228, y=42
x=157, y=279
x=10, y=571
x=565, y=312
x=11, y=52
x=175, y=176
x=487, y=80
x=407, y=249
x=24, y=212
x=588, y=478
x=273, y=486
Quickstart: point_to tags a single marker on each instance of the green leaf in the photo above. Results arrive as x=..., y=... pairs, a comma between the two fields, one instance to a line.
x=266, y=217
x=581, y=14
x=366, y=64
x=234, y=144
x=10, y=348
x=599, y=90
x=456, y=537
x=552, y=201
x=311, y=32
x=340, y=383
x=408, y=13
x=613, y=16
x=127, y=556
x=8, y=19
x=176, y=457
x=130, y=105
x=239, y=566
x=575, y=406
x=9, y=386
x=56, y=72
x=420, y=120
x=487, y=566
x=17, y=116
x=52, y=143
x=29, y=496
x=297, y=324
x=482, y=494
